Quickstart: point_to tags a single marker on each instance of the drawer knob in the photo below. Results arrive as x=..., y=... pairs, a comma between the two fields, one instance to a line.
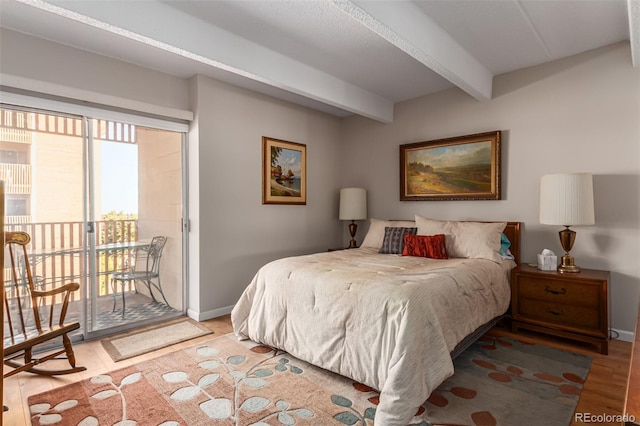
x=553, y=312
x=552, y=291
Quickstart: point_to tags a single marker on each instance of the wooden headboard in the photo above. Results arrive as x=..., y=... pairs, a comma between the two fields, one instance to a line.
x=512, y=231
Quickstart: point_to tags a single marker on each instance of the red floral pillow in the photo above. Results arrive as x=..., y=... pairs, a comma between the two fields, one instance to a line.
x=431, y=246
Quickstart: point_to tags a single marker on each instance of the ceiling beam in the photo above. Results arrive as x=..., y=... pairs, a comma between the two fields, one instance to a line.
x=158, y=25
x=633, y=8
x=406, y=26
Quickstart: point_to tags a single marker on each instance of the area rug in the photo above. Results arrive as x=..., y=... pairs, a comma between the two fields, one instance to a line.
x=223, y=381
x=151, y=339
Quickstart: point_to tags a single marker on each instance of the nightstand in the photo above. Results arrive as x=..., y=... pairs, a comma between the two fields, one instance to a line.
x=569, y=305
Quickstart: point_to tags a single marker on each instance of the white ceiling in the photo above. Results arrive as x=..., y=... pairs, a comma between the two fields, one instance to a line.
x=344, y=56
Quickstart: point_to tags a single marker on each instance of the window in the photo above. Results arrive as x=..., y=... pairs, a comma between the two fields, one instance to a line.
x=16, y=207
x=13, y=157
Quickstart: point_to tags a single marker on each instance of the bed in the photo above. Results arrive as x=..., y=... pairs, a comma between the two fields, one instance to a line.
x=391, y=321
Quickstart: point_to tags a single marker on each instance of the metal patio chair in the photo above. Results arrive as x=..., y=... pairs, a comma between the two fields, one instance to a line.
x=150, y=276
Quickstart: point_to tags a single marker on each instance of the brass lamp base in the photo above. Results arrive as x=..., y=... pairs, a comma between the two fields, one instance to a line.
x=353, y=228
x=567, y=264
x=567, y=238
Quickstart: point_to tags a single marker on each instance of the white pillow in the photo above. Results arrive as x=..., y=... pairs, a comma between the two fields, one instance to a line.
x=375, y=234
x=475, y=240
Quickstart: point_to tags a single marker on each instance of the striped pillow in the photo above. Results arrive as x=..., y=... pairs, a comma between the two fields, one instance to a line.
x=393, y=242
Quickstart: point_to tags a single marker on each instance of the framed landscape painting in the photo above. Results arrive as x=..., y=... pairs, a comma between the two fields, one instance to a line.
x=459, y=168
x=284, y=172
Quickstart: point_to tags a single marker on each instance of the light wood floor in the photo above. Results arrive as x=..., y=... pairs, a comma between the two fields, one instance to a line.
x=603, y=392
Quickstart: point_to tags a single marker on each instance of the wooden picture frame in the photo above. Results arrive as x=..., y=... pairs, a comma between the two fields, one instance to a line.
x=458, y=168
x=284, y=172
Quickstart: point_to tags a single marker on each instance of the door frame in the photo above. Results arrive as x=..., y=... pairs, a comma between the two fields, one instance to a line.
x=87, y=113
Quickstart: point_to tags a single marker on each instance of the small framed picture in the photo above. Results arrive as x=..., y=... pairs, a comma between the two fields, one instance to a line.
x=284, y=172
x=459, y=168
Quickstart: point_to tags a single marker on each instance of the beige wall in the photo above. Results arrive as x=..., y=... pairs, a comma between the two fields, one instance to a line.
x=581, y=114
x=237, y=233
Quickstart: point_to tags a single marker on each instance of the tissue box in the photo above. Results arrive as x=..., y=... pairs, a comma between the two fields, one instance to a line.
x=547, y=262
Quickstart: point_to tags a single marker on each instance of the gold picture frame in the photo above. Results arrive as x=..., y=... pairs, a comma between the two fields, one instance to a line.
x=284, y=172
x=458, y=168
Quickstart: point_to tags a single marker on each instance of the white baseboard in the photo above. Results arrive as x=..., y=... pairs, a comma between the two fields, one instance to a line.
x=214, y=313
x=625, y=336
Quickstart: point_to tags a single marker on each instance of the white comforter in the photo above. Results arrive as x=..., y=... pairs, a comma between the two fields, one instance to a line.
x=387, y=321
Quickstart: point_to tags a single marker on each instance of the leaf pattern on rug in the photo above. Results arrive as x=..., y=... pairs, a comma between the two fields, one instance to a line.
x=116, y=391
x=562, y=383
x=48, y=415
x=351, y=416
x=498, y=380
x=567, y=384
x=254, y=376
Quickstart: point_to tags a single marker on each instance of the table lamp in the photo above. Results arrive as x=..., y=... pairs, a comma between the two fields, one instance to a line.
x=353, y=206
x=567, y=200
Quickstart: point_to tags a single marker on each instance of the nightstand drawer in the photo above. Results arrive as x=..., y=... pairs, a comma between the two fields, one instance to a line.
x=558, y=291
x=579, y=317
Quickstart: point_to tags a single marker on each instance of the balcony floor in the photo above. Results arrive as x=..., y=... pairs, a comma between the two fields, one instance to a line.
x=140, y=311
x=138, y=308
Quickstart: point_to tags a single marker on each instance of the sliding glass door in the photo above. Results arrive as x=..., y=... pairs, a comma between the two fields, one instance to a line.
x=42, y=159
x=136, y=214
x=103, y=202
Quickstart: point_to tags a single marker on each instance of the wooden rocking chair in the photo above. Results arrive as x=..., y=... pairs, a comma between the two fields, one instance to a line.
x=25, y=329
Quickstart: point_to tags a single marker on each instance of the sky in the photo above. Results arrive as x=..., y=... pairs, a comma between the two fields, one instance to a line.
x=290, y=159
x=456, y=155
x=119, y=177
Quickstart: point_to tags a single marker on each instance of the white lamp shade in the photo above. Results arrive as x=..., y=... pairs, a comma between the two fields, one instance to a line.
x=353, y=204
x=567, y=199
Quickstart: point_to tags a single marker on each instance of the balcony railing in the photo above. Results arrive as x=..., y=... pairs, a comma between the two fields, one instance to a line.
x=17, y=219
x=15, y=135
x=16, y=177
x=56, y=248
